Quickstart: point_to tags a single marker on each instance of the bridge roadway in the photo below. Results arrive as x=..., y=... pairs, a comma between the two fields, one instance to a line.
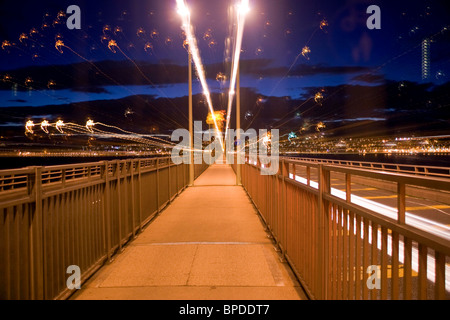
x=432, y=213
x=208, y=244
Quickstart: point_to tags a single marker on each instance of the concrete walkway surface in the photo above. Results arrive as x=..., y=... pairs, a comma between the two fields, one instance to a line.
x=209, y=244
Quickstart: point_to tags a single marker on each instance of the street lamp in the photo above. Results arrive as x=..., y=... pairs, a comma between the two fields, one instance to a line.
x=243, y=10
x=184, y=12
x=191, y=123
x=238, y=127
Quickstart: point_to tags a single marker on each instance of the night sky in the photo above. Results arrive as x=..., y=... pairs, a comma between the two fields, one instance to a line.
x=344, y=52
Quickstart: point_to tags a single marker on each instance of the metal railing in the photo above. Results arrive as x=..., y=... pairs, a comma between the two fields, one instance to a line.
x=388, y=167
x=81, y=214
x=330, y=242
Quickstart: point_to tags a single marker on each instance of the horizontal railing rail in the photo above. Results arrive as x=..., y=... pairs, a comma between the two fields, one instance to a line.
x=76, y=215
x=389, y=167
x=333, y=243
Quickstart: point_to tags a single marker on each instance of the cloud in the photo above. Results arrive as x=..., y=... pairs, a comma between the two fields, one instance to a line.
x=85, y=77
x=18, y=100
x=94, y=89
x=258, y=67
x=370, y=78
x=324, y=69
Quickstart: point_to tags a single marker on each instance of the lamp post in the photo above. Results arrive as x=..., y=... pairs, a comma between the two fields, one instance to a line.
x=183, y=11
x=191, y=124
x=238, y=127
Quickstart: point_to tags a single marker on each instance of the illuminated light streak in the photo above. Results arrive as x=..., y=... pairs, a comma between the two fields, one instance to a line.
x=104, y=134
x=90, y=125
x=242, y=11
x=44, y=126
x=6, y=44
x=132, y=133
x=51, y=84
x=59, y=125
x=184, y=12
x=29, y=127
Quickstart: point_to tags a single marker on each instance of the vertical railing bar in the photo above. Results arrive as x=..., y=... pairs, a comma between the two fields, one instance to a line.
x=351, y=255
x=374, y=261
x=335, y=252
x=366, y=257
x=395, y=266
x=358, y=265
x=384, y=266
x=407, y=272
x=439, y=288
x=423, y=271
x=345, y=239
x=340, y=250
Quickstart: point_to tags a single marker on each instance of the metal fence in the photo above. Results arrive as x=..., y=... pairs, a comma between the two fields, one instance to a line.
x=330, y=242
x=55, y=217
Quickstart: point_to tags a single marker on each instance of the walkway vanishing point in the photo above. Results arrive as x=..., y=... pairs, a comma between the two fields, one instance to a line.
x=208, y=244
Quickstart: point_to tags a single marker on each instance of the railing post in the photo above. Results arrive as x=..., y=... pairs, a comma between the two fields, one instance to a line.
x=37, y=241
x=119, y=205
x=157, y=186
x=285, y=176
x=107, y=211
x=140, y=194
x=132, y=198
x=169, y=182
x=401, y=202
x=177, y=179
x=308, y=175
x=322, y=274
x=63, y=178
x=348, y=187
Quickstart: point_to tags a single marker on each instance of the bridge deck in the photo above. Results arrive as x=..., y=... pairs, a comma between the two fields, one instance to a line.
x=208, y=244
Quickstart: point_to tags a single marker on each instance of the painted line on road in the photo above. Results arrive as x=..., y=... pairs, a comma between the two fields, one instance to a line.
x=381, y=197
x=427, y=208
x=364, y=189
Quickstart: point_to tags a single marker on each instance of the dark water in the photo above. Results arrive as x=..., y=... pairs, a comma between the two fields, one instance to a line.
x=418, y=159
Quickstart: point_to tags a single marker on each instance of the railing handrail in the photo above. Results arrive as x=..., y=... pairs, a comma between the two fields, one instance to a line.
x=417, y=169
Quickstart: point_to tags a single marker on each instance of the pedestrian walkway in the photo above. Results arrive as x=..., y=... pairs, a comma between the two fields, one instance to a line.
x=208, y=244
